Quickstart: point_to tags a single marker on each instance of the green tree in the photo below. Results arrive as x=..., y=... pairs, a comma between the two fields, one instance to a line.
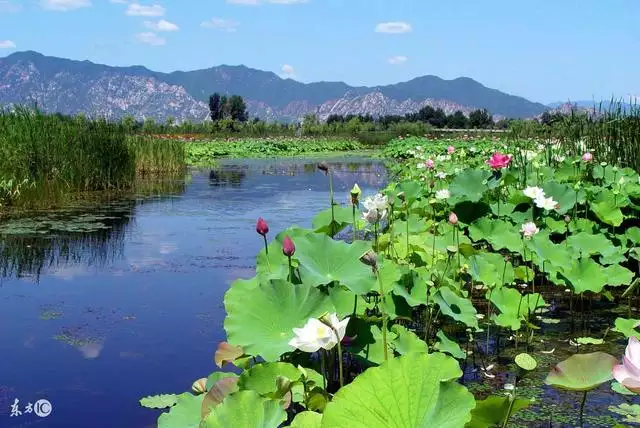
x=215, y=107
x=480, y=119
x=238, y=109
x=458, y=120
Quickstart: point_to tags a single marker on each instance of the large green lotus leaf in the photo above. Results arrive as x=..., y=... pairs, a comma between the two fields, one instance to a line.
x=449, y=346
x=555, y=226
x=261, y=319
x=469, y=185
x=564, y=195
x=216, y=376
x=491, y=269
x=342, y=217
x=417, y=224
x=618, y=275
x=492, y=411
x=407, y=341
x=513, y=306
x=627, y=327
x=447, y=240
x=412, y=190
x=458, y=308
x=369, y=344
x=414, y=287
x=633, y=235
x=606, y=206
x=262, y=378
x=307, y=420
x=500, y=234
x=502, y=209
x=346, y=302
x=587, y=244
x=548, y=256
x=586, y=275
x=185, y=414
x=246, y=409
x=276, y=264
x=521, y=217
x=614, y=256
x=583, y=225
x=582, y=372
x=415, y=390
x=396, y=307
x=324, y=260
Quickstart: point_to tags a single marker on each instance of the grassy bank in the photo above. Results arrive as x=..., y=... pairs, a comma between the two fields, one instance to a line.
x=205, y=153
x=44, y=156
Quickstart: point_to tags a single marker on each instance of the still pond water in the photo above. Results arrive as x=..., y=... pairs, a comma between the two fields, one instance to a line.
x=107, y=305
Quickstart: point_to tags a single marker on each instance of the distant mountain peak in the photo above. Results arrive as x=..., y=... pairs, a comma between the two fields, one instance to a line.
x=72, y=86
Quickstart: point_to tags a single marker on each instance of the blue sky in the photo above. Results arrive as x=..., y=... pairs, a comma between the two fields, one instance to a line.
x=547, y=50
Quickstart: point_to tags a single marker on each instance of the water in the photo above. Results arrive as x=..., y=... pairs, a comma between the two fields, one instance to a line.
x=100, y=317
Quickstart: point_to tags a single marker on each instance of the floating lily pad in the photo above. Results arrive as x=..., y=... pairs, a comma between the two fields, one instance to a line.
x=582, y=372
x=589, y=341
x=628, y=327
x=526, y=362
x=161, y=401
x=185, y=413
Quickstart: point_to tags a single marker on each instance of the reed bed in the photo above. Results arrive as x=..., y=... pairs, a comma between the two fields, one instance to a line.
x=57, y=154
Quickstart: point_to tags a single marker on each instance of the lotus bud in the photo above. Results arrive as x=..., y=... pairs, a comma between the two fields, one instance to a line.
x=370, y=259
x=199, y=386
x=453, y=219
x=262, y=227
x=451, y=150
x=288, y=247
x=567, y=219
x=429, y=163
x=324, y=167
x=355, y=194
x=587, y=157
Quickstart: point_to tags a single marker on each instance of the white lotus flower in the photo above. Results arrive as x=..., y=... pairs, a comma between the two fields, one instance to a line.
x=373, y=216
x=534, y=192
x=316, y=334
x=529, y=229
x=376, y=208
x=545, y=203
x=441, y=175
x=442, y=194
x=421, y=165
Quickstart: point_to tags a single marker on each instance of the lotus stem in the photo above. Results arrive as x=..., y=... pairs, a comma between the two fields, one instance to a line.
x=323, y=369
x=290, y=279
x=375, y=236
x=406, y=204
x=355, y=225
x=512, y=400
x=584, y=399
x=333, y=217
x=266, y=250
x=384, y=317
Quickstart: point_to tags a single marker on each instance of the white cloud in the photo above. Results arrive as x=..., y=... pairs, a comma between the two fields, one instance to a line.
x=150, y=38
x=64, y=5
x=257, y=2
x=119, y=1
x=288, y=70
x=161, y=25
x=7, y=7
x=221, y=24
x=7, y=44
x=393, y=27
x=136, y=9
x=398, y=59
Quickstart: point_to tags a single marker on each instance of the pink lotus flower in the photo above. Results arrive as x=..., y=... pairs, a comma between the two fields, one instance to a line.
x=288, y=247
x=628, y=373
x=451, y=150
x=262, y=227
x=430, y=163
x=453, y=219
x=587, y=157
x=499, y=160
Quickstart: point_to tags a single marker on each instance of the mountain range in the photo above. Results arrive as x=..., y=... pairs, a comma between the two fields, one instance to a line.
x=71, y=87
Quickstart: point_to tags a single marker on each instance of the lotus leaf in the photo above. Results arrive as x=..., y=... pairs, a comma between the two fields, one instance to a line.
x=262, y=378
x=261, y=319
x=417, y=224
x=633, y=235
x=323, y=260
x=627, y=327
x=412, y=190
x=502, y=209
x=246, y=409
x=630, y=411
x=369, y=344
x=449, y=346
x=342, y=216
x=216, y=395
x=500, y=234
x=493, y=410
x=582, y=372
x=415, y=390
x=407, y=341
x=216, y=376
x=620, y=389
x=469, y=185
x=307, y=420
x=185, y=414
x=587, y=244
x=491, y=269
x=161, y=401
x=227, y=353
x=563, y=194
x=345, y=302
x=606, y=206
x=526, y=361
x=417, y=293
x=458, y=308
x=513, y=306
x=618, y=275
x=586, y=275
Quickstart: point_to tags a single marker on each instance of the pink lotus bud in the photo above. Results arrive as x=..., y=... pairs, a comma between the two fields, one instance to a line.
x=262, y=227
x=288, y=247
x=451, y=150
x=453, y=219
x=587, y=157
x=429, y=163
